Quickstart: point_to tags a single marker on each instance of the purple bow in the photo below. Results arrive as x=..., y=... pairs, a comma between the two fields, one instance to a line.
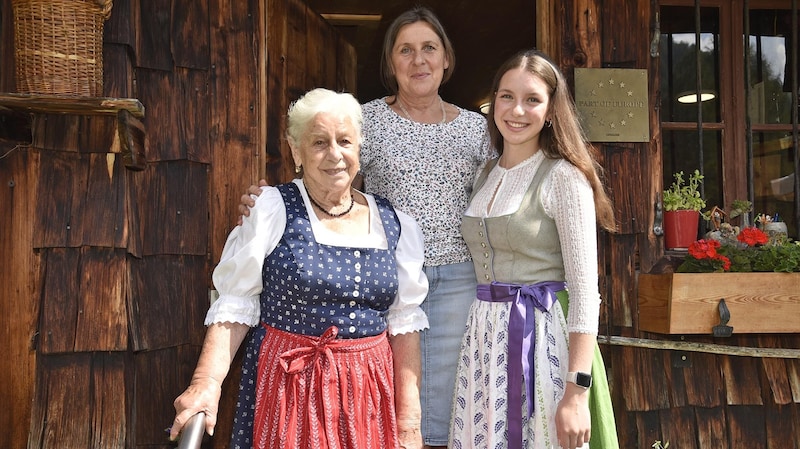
x=521, y=341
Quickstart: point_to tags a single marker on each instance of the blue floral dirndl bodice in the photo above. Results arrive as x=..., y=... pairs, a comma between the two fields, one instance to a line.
x=309, y=287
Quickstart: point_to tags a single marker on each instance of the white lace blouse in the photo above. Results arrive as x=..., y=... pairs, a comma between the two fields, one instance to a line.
x=238, y=277
x=567, y=198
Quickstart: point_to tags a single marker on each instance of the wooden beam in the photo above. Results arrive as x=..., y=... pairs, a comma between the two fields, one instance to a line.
x=60, y=104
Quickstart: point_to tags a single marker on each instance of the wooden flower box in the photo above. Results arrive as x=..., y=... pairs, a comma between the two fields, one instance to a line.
x=688, y=303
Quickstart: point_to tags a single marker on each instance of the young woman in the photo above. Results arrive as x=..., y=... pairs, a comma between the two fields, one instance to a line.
x=530, y=370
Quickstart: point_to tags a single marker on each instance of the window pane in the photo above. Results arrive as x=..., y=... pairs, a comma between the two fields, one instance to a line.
x=773, y=181
x=681, y=153
x=679, y=64
x=769, y=67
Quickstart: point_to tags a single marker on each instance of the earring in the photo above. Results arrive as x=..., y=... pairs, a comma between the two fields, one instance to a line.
x=548, y=123
x=298, y=168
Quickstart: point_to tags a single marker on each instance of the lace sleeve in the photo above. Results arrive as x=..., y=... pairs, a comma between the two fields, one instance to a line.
x=567, y=198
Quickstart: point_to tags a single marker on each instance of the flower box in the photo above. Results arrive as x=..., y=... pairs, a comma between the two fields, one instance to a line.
x=688, y=303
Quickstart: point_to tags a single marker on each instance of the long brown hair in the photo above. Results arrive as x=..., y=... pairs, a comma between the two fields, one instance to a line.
x=565, y=139
x=414, y=15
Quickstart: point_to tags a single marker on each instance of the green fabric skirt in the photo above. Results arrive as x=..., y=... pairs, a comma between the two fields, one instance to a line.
x=604, y=425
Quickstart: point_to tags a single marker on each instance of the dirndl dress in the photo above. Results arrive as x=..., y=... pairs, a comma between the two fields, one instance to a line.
x=318, y=372
x=480, y=408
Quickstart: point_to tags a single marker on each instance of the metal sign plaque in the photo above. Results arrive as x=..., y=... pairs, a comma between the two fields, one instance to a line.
x=612, y=104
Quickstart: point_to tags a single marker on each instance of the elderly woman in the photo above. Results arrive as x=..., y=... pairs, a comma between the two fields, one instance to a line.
x=422, y=154
x=330, y=280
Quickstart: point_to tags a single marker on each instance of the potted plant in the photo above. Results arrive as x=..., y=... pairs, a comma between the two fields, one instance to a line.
x=754, y=276
x=682, y=205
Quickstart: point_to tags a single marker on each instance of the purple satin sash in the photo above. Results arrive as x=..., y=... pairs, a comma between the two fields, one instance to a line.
x=521, y=341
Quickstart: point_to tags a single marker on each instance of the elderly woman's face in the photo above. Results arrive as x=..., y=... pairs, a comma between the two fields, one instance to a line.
x=418, y=60
x=328, y=152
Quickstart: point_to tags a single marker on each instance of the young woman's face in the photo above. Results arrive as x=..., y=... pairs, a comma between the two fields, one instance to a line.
x=521, y=106
x=418, y=60
x=328, y=152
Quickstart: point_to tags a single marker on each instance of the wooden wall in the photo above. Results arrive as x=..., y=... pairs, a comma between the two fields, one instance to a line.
x=105, y=271
x=693, y=399
x=105, y=276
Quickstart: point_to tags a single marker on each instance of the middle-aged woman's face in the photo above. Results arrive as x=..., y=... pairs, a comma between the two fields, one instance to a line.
x=328, y=152
x=521, y=106
x=418, y=60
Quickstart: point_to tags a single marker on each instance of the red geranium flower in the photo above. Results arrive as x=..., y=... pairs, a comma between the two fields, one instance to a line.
x=704, y=249
x=752, y=236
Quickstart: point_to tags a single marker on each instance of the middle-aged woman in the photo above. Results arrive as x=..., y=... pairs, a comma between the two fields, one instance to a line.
x=422, y=154
x=321, y=273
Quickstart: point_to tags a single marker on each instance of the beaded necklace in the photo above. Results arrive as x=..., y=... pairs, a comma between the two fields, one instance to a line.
x=331, y=214
x=441, y=103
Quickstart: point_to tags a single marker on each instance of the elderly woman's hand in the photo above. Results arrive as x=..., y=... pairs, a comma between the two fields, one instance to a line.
x=409, y=434
x=202, y=395
x=247, y=201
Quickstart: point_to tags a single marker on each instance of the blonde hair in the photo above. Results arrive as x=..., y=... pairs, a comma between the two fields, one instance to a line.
x=563, y=138
x=315, y=101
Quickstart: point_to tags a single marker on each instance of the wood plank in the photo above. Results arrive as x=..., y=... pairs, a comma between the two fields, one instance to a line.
x=20, y=288
x=79, y=402
x=153, y=39
x=154, y=394
x=649, y=388
x=60, y=416
x=688, y=303
x=102, y=319
x=58, y=104
x=619, y=295
x=712, y=428
x=59, y=306
x=163, y=143
x=86, y=204
x=83, y=301
x=742, y=380
x=176, y=195
x=193, y=116
x=746, y=427
x=782, y=428
x=103, y=220
x=118, y=29
x=678, y=427
x=118, y=75
x=703, y=381
x=238, y=134
x=153, y=323
x=648, y=429
x=346, y=66
x=73, y=133
x=279, y=164
x=7, y=78
x=109, y=400
x=776, y=373
x=190, y=34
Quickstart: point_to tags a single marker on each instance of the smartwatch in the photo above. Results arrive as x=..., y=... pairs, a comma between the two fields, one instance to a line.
x=580, y=379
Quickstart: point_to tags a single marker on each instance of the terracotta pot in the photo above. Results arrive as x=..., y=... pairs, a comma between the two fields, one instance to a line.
x=680, y=228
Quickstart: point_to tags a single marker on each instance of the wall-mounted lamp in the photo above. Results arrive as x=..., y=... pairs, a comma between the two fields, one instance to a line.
x=484, y=107
x=690, y=96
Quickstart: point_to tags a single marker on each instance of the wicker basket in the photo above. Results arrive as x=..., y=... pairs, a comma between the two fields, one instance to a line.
x=59, y=46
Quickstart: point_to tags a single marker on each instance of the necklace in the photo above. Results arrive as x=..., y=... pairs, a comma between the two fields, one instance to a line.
x=441, y=104
x=331, y=214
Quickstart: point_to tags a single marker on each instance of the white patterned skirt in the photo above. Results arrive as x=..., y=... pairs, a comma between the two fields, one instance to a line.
x=480, y=403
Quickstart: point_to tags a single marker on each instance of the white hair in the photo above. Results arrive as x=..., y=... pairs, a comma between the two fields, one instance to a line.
x=315, y=101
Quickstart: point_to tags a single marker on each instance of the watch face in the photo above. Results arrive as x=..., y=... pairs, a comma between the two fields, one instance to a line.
x=583, y=379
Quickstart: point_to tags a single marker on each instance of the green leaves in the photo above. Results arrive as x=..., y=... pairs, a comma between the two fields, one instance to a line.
x=684, y=194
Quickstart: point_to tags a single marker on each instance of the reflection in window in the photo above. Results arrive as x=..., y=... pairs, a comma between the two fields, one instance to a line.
x=770, y=103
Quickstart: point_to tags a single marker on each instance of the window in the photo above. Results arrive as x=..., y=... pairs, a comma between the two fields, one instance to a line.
x=740, y=133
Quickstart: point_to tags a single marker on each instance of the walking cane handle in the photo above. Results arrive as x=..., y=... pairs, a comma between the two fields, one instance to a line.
x=192, y=433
